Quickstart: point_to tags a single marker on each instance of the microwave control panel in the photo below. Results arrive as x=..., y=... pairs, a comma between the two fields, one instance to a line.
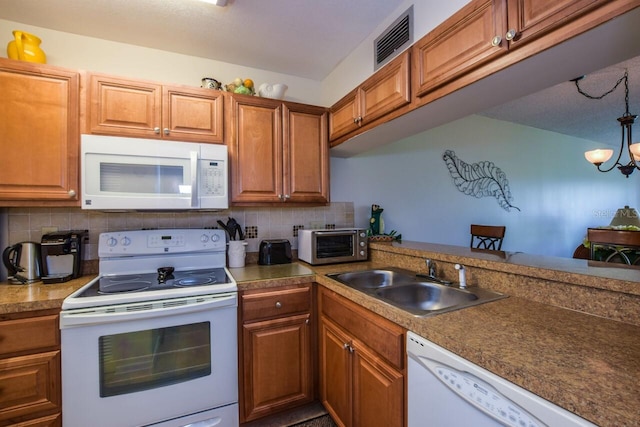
x=213, y=178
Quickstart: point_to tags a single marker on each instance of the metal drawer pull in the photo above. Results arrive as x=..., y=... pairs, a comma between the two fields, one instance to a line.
x=278, y=304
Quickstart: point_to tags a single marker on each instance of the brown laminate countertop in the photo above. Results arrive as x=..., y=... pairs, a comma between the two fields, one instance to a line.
x=37, y=296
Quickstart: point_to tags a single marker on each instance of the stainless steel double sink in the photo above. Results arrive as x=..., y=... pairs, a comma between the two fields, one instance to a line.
x=414, y=293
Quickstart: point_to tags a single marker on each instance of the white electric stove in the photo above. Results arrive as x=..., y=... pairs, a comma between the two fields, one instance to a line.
x=152, y=341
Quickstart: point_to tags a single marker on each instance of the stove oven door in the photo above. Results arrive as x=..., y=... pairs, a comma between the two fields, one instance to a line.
x=170, y=363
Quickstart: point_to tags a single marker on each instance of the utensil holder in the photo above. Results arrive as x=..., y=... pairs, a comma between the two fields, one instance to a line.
x=237, y=253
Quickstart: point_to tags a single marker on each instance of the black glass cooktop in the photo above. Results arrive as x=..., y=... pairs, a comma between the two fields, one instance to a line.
x=149, y=282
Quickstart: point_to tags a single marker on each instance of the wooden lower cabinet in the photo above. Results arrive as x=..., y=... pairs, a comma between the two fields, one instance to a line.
x=362, y=382
x=30, y=385
x=276, y=361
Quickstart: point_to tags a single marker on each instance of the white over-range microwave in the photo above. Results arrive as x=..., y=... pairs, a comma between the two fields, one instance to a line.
x=121, y=173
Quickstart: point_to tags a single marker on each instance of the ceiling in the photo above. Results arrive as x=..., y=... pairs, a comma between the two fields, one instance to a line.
x=304, y=38
x=563, y=110
x=309, y=38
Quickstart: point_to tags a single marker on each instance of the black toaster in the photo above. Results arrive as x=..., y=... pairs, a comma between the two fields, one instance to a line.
x=274, y=252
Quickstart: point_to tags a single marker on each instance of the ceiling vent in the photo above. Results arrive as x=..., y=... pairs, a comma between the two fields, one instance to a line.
x=394, y=39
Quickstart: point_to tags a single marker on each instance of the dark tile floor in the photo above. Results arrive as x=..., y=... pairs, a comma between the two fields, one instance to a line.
x=305, y=416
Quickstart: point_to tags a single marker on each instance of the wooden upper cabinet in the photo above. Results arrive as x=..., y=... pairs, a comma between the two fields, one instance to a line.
x=344, y=115
x=278, y=152
x=193, y=114
x=143, y=109
x=486, y=36
x=255, y=150
x=305, y=153
x=385, y=91
x=124, y=107
x=529, y=19
x=39, y=134
x=469, y=38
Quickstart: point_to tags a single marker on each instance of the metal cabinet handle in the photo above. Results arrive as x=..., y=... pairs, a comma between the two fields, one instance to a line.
x=511, y=34
x=156, y=130
x=278, y=304
x=166, y=131
x=496, y=41
x=286, y=196
x=72, y=193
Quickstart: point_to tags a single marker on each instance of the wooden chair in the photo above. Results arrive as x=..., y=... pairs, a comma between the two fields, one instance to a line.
x=487, y=236
x=620, y=246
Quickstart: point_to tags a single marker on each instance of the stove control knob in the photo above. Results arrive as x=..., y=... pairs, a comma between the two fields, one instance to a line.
x=112, y=241
x=204, y=238
x=215, y=238
x=125, y=241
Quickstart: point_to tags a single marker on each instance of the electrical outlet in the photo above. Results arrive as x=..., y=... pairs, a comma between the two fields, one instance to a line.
x=51, y=229
x=315, y=225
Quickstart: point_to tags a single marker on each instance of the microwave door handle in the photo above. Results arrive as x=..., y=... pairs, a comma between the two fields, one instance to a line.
x=194, y=179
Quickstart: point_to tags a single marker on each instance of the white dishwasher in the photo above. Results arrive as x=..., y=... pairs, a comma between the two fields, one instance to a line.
x=446, y=390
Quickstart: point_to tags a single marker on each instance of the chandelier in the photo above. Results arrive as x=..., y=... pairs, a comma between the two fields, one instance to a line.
x=599, y=156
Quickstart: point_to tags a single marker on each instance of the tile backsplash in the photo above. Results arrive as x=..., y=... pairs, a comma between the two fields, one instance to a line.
x=29, y=224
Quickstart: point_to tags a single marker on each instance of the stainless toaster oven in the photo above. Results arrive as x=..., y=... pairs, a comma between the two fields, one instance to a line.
x=333, y=246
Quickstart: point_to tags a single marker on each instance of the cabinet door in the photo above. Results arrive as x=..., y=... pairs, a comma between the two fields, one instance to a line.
x=460, y=44
x=386, y=90
x=378, y=391
x=529, y=19
x=124, y=107
x=39, y=134
x=192, y=114
x=30, y=385
x=305, y=154
x=344, y=115
x=255, y=150
x=277, y=365
x=335, y=372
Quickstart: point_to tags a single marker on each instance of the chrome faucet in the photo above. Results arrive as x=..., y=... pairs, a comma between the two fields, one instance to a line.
x=432, y=273
x=462, y=277
x=431, y=268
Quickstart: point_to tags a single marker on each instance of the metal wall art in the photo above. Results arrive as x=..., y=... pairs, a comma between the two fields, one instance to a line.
x=480, y=179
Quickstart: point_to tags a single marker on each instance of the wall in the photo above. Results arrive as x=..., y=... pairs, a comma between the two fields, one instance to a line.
x=25, y=224
x=87, y=53
x=358, y=66
x=558, y=192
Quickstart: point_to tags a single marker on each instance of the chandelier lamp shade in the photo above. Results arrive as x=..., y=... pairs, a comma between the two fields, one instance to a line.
x=602, y=155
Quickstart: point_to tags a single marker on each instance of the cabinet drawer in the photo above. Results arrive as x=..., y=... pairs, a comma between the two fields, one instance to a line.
x=28, y=334
x=269, y=304
x=54, y=420
x=382, y=336
x=29, y=384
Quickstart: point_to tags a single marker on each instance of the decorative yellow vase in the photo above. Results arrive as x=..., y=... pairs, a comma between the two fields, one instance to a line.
x=26, y=47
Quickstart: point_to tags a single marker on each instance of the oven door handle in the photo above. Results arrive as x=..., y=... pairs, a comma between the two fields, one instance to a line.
x=145, y=310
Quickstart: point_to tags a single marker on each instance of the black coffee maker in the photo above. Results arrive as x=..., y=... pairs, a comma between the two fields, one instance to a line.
x=61, y=253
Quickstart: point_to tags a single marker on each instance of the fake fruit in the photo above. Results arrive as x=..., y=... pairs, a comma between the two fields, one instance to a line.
x=243, y=90
x=248, y=83
x=237, y=81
